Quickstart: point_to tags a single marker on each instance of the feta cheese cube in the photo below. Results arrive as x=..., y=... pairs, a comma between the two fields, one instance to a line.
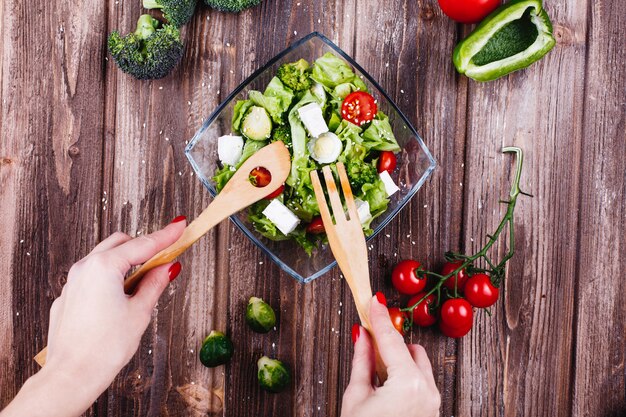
x=281, y=216
x=363, y=210
x=390, y=186
x=313, y=120
x=229, y=149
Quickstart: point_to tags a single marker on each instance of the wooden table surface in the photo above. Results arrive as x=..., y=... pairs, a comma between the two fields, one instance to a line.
x=87, y=150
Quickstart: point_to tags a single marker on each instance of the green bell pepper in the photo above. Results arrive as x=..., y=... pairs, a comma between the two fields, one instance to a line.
x=512, y=37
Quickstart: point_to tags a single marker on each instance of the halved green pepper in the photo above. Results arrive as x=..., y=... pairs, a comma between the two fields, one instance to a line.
x=512, y=37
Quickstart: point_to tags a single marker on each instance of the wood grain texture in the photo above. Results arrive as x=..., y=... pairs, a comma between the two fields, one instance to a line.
x=87, y=150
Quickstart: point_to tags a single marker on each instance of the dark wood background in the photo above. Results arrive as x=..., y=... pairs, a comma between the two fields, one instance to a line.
x=87, y=150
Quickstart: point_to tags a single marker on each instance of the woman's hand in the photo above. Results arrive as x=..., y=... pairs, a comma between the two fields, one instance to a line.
x=95, y=328
x=410, y=389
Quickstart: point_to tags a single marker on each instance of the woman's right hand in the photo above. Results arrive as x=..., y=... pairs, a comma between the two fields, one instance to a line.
x=410, y=389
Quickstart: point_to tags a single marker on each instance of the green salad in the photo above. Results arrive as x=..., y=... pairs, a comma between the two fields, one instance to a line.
x=323, y=113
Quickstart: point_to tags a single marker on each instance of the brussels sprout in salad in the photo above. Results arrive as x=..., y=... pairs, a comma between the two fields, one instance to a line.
x=323, y=113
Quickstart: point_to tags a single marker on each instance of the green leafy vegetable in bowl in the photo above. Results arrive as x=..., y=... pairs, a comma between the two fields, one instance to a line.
x=260, y=316
x=324, y=114
x=217, y=349
x=273, y=375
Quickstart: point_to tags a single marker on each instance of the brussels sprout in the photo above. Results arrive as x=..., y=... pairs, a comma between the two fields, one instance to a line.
x=217, y=349
x=273, y=375
x=260, y=315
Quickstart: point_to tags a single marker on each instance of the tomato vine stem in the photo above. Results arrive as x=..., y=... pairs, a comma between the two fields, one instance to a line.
x=496, y=271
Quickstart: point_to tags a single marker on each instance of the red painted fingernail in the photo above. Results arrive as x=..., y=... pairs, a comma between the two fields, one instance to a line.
x=179, y=219
x=174, y=271
x=356, y=332
x=381, y=298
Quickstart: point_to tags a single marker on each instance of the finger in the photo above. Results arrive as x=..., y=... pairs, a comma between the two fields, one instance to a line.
x=420, y=357
x=391, y=347
x=363, y=362
x=140, y=249
x=111, y=242
x=151, y=287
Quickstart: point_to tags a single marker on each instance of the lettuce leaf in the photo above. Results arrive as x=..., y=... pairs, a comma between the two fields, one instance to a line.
x=376, y=195
x=331, y=71
x=241, y=108
x=379, y=136
x=276, y=99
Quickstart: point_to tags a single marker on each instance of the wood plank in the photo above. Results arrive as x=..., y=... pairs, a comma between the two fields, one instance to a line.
x=600, y=324
x=518, y=362
x=51, y=169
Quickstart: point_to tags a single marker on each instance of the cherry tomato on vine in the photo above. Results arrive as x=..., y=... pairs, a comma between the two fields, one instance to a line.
x=422, y=315
x=480, y=291
x=407, y=277
x=387, y=162
x=398, y=318
x=276, y=193
x=316, y=226
x=359, y=108
x=456, y=317
x=460, y=278
x=468, y=11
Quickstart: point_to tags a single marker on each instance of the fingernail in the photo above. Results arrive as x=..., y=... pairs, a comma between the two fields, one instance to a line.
x=179, y=219
x=356, y=332
x=174, y=271
x=381, y=298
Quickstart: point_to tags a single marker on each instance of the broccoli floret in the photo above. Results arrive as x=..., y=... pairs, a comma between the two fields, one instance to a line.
x=177, y=12
x=295, y=75
x=359, y=173
x=233, y=6
x=282, y=133
x=150, y=52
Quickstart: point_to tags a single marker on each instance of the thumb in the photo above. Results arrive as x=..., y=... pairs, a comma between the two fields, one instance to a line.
x=152, y=285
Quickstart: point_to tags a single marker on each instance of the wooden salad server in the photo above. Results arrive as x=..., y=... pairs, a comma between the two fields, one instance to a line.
x=347, y=242
x=238, y=194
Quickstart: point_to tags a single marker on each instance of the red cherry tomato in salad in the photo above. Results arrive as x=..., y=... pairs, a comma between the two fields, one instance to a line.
x=480, y=291
x=260, y=177
x=422, y=315
x=276, y=193
x=398, y=318
x=316, y=226
x=460, y=278
x=386, y=162
x=406, y=277
x=456, y=317
x=468, y=11
x=359, y=107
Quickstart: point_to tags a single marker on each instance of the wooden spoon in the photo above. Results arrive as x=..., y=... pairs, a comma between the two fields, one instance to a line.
x=238, y=194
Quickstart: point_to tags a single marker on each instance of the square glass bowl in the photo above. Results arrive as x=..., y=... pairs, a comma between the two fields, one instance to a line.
x=415, y=163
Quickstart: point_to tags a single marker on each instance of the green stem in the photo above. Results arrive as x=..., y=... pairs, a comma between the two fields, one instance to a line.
x=508, y=218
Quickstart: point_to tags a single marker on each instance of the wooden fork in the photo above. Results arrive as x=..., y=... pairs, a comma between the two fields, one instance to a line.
x=347, y=243
x=237, y=194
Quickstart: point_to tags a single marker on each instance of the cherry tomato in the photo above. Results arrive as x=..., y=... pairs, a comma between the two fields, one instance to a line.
x=359, y=107
x=468, y=11
x=456, y=317
x=276, y=193
x=398, y=318
x=407, y=279
x=260, y=177
x=454, y=332
x=480, y=291
x=386, y=162
x=316, y=226
x=460, y=278
x=422, y=315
